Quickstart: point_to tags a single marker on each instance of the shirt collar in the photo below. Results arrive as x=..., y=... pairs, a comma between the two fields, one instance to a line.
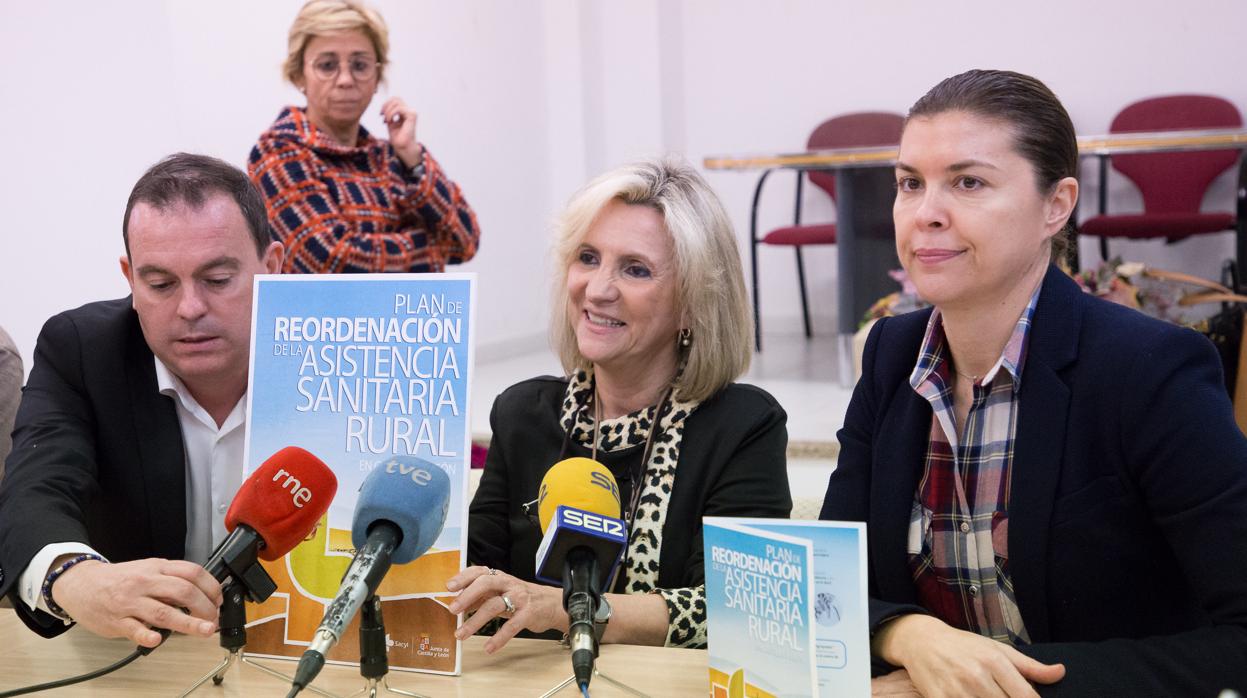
x=169, y=384
x=311, y=134
x=932, y=359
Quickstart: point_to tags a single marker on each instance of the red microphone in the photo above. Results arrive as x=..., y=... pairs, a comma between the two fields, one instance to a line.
x=275, y=509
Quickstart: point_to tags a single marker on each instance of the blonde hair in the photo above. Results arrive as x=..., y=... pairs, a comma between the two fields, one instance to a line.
x=711, y=286
x=320, y=17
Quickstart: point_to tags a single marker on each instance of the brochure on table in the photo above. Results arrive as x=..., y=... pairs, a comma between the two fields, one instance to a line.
x=787, y=608
x=358, y=369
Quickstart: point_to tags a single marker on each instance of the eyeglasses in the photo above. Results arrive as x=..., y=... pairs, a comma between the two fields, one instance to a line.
x=362, y=69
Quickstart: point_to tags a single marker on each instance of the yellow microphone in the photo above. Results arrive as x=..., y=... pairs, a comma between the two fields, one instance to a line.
x=579, y=483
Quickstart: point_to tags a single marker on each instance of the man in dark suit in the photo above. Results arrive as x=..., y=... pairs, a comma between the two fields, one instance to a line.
x=127, y=446
x=11, y=375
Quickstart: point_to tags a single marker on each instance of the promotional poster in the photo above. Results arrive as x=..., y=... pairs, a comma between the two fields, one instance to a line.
x=359, y=369
x=787, y=608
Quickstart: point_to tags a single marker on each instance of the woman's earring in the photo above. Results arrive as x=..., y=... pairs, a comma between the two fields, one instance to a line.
x=686, y=337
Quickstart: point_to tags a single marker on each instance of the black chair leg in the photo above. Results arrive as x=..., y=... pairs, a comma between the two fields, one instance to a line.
x=1240, y=214
x=757, y=315
x=753, y=258
x=805, y=303
x=1102, y=202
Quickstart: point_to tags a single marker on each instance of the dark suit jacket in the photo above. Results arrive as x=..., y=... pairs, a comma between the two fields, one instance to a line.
x=97, y=451
x=1128, y=513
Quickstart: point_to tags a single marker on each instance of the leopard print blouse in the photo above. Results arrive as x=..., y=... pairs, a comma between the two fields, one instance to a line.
x=686, y=607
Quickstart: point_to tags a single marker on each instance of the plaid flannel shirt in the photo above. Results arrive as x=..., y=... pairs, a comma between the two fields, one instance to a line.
x=959, y=525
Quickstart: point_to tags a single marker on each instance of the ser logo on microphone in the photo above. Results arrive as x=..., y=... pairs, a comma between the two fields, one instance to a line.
x=592, y=522
x=606, y=482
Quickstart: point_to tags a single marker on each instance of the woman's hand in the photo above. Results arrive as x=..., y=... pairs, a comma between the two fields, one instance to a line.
x=944, y=661
x=486, y=591
x=895, y=684
x=401, y=122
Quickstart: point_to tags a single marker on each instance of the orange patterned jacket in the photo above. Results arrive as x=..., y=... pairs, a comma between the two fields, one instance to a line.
x=358, y=209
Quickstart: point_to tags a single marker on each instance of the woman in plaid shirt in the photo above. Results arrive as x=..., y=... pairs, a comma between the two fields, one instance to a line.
x=340, y=199
x=1054, y=486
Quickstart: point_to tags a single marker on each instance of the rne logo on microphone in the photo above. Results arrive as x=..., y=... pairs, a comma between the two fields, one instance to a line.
x=420, y=476
x=592, y=522
x=298, y=493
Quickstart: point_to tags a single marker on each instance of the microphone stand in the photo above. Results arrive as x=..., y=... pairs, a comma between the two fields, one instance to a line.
x=571, y=681
x=374, y=663
x=581, y=599
x=233, y=625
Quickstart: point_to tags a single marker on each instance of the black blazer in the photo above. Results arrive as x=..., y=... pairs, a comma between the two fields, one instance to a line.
x=97, y=451
x=732, y=463
x=1128, y=514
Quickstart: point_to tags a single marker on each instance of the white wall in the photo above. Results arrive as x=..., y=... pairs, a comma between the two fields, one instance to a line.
x=96, y=92
x=523, y=100
x=760, y=76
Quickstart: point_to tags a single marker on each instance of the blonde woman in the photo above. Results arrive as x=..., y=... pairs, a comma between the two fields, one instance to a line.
x=339, y=198
x=651, y=322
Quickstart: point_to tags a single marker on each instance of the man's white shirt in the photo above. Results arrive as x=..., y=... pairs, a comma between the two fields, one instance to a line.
x=214, y=463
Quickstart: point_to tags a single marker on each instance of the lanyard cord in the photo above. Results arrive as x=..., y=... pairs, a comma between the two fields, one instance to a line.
x=637, y=473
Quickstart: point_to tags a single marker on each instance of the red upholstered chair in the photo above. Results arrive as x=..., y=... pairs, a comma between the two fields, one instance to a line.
x=1172, y=184
x=860, y=129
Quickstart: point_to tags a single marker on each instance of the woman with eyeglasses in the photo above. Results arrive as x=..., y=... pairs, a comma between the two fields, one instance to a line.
x=651, y=322
x=339, y=198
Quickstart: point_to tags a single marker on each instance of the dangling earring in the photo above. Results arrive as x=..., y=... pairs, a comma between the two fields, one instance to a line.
x=686, y=337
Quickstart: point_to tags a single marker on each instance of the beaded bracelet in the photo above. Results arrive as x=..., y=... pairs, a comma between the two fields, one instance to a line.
x=55, y=574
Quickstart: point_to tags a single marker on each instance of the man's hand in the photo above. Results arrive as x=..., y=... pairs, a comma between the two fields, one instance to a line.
x=943, y=661
x=125, y=598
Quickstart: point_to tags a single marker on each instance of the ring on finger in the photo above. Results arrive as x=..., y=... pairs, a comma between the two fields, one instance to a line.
x=491, y=570
x=506, y=601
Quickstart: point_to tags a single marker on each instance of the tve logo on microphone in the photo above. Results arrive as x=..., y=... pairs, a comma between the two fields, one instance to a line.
x=420, y=476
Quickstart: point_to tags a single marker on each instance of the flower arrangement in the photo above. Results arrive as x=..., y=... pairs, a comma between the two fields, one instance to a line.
x=1126, y=283
x=902, y=301
x=1129, y=284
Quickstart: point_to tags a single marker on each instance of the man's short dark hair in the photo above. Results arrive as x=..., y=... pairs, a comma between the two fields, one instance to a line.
x=185, y=178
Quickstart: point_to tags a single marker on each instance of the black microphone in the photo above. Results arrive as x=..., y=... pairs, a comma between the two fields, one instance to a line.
x=400, y=513
x=584, y=541
x=272, y=512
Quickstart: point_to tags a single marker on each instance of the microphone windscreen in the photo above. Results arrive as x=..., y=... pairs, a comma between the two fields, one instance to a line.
x=580, y=483
x=283, y=499
x=409, y=492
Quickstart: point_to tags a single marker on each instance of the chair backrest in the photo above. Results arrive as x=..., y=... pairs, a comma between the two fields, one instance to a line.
x=1175, y=182
x=857, y=130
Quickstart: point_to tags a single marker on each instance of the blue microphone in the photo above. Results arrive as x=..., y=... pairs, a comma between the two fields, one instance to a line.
x=400, y=512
